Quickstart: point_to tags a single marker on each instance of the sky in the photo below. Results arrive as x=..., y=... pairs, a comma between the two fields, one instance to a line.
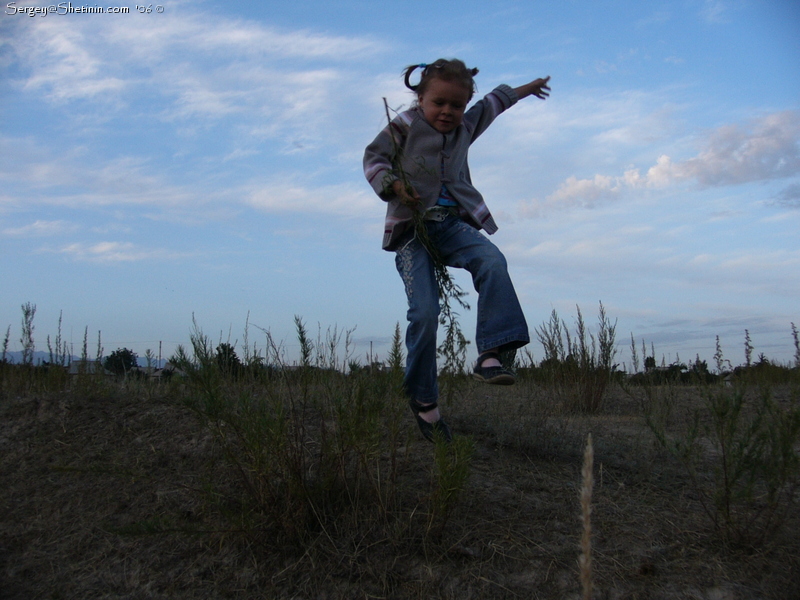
x=200, y=163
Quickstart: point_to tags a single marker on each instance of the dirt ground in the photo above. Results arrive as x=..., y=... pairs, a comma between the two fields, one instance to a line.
x=99, y=499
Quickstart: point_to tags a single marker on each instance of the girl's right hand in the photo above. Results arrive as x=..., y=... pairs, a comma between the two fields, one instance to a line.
x=409, y=197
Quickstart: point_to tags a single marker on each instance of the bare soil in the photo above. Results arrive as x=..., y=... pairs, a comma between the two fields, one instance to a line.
x=102, y=496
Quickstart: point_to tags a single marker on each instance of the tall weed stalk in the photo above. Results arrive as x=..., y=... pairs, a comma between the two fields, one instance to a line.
x=587, y=486
x=451, y=471
x=453, y=348
x=578, y=367
x=28, y=346
x=6, y=339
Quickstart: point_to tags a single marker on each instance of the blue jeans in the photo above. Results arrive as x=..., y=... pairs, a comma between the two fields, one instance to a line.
x=500, y=324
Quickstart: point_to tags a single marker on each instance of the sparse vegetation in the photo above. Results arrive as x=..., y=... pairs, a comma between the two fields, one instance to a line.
x=578, y=367
x=308, y=446
x=738, y=445
x=245, y=477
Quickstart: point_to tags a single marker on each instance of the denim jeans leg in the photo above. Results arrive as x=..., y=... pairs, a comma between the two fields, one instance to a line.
x=416, y=269
x=500, y=321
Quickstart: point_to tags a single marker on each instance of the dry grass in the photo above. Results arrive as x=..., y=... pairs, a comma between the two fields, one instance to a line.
x=585, y=559
x=104, y=495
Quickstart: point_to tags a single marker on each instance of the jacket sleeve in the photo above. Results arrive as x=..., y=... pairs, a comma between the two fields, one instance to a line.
x=380, y=156
x=485, y=111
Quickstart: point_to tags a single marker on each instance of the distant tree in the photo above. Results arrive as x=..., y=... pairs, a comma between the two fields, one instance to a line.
x=699, y=367
x=650, y=363
x=354, y=367
x=698, y=372
x=121, y=361
x=227, y=360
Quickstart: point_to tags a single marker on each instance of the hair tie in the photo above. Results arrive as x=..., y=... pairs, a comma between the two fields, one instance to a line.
x=410, y=70
x=460, y=69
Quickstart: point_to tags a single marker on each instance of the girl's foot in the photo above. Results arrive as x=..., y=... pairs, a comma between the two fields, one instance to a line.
x=430, y=416
x=489, y=369
x=430, y=422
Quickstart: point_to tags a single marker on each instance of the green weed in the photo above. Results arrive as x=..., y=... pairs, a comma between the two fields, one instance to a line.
x=578, y=368
x=739, y=450
x=451, y=470
x=314, y=450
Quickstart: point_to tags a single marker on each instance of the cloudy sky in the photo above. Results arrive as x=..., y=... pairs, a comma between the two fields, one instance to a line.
x=204, y=160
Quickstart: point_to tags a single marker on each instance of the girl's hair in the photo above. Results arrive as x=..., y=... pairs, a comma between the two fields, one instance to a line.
x=448, y=70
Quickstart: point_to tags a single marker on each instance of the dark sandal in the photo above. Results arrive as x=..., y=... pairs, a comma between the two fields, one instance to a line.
x=494, y=375
x=430, y=431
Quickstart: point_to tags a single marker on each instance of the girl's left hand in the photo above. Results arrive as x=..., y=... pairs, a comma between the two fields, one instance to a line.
x=537, y=87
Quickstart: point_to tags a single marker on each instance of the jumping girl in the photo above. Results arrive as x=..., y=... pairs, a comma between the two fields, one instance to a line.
x=419, y=163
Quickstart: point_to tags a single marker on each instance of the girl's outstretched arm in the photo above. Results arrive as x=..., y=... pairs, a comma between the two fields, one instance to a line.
x=537, y=87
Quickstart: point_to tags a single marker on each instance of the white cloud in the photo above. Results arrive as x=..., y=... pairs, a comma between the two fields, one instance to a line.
x=131, y=182
x=533, y=146
x=714, y=11
x=583, y=193
x=767, y=148
x=790, y=196
x=61, y=62
x=198, y=64
x=70, y=180
x=340, y=200
x=777, y=261
x=254, y=89
x=114, y=252
x=40, y=228
x=284, y=92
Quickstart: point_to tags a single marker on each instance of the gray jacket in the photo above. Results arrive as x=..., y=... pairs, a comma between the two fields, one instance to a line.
x=430, y=159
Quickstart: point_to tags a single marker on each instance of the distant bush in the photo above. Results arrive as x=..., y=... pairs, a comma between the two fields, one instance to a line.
x=766, y=372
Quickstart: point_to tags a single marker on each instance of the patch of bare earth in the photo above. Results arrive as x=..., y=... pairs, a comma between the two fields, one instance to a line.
x=103, y=497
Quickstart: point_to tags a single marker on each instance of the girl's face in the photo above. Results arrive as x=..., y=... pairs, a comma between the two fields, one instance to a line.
x=443, y=104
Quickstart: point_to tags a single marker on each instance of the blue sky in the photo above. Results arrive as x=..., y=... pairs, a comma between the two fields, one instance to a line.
x=205, y=161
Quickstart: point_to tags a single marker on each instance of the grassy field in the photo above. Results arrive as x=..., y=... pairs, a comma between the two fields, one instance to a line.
x=314, y=484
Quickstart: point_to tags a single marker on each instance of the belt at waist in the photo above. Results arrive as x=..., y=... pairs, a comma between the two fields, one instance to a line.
x=440, y=213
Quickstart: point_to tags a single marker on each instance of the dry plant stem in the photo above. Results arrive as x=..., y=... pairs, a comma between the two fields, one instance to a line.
x=453, y=347
x=585, y=560
x=580, y=365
